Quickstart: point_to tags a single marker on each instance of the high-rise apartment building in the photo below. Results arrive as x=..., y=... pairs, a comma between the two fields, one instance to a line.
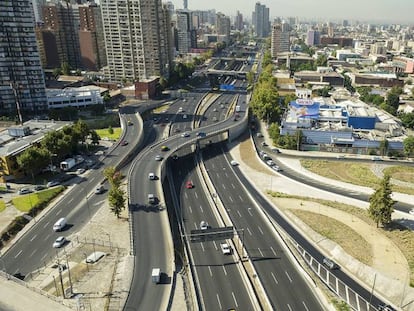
x=137, y=38
x=223, y=27
x=183, y=31
x=22, y=85
x=279, y=40
x=58, y=35
x=261, y=22
x=238, y=22
x=91, y=37
x=313, y=37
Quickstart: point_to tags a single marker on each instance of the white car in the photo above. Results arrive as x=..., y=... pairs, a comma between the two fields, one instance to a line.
x=411, y=212
x=53, y=183
x=203, y=225
x=158, y=158
x=60, y=241
x=185, y=134
x=80, y=171
x=234, y=162
x=270, y=163
x=24, y=191
x=276, y=168
x=225, y=249
x=151, y=176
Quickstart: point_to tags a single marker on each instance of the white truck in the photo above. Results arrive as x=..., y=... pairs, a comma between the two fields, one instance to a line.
x=68, y=163
x=156, y=275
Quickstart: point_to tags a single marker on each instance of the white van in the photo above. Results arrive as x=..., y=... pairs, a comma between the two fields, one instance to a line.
x=60, y=224
x=156, y=275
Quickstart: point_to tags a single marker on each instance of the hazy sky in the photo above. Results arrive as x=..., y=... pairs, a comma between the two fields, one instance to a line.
x=395, y=11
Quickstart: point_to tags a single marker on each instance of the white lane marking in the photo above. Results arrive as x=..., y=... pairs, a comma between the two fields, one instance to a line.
x=47, y=237
x=33, y=237
x=274, y=278
x=33, y=253
x=250, y=211
x=224, y=187
x=235, y=300
x=195, y=225
x=224, y=269
x=248, y=230
x=260, y=252
x=233, y=186
x=18, y=254
x=211, y=273
x=91, y=179
x=215, y=245
x=289, y=307
x=212, y=165
x=201, y=208
x=202, y=246
x=273, y=251
x=260, y=229
x=226, y=174
x=46, y=225
x=239, y=214
x=70, y=200
x=43, y=258
x=304, y=304
x=191, y=211
x=287, y=274
x=231, y=199
x=58, y=212
x=195, y=194
x=185, y=194
x=218, y=300
x=241, y=199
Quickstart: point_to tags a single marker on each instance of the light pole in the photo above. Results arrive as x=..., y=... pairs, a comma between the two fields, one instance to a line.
x=109, y=238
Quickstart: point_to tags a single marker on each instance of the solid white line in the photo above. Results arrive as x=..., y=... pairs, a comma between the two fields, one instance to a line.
x=234, y=298
x=274, y=278
x=273, y=251
x=218, y=300
x=289, y=307
x=211, y=273
x=248, y=230
x=260, y=229
x=224, y=269
x=33, y=237
x=288, y=277
x=18, y=254
x=305, y=305
x=239, y=214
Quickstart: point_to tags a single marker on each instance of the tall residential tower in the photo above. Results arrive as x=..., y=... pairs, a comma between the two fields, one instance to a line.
x=137, y=39
x=22, y=85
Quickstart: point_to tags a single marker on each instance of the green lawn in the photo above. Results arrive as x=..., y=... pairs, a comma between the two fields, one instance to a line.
x=2, y=206
x=105, y=133
x=25, y=203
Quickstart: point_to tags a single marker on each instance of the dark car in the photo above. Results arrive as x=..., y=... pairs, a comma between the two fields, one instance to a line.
x=124, y=143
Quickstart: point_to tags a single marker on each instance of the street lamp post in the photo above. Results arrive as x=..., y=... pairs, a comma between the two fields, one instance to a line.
x=109, y=238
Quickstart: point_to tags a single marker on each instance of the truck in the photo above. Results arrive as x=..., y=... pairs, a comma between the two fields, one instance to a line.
x=156, y=275
x=237, y=108
x=68, y=163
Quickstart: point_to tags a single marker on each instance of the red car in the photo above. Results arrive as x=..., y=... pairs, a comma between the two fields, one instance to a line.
x=189, y=185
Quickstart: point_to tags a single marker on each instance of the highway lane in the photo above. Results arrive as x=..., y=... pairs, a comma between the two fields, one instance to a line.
x=221, y=285
x=34, y=248
x=284, y=285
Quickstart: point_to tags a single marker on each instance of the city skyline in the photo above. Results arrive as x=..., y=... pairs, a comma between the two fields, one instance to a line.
x=369, y=10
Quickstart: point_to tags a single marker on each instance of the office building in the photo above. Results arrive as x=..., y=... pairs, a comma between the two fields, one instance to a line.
x=223, y=27
x=279, y=40
x=22, y=85
x=238, y=22
x=261, y=21
x=137, y=38
x=313, y=38
x=183, y=31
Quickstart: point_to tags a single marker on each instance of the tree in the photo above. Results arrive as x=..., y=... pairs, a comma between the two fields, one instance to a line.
x=33, y=159
x=65, y=68
x=408, y=144
x=110, y=130
x=114, y=177
x=381, y=204
x=348, y=84
x=116, y=198
x=95, y=137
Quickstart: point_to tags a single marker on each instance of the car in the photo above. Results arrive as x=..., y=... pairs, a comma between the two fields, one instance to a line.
x=59, y=242
x=124, y=143
x=180, y=109
x=184, y=116
x=189, y=184
x=158, y=158
x=175, y=157
x=94, y=257
x=204, y=225
x=270, y=162
x=275, y=150
x=411, y=212
x=201, y=134
x=24, y=190
x=151, y=176
x=330, y=264
x=276, y=168
x=129, y=122
x=100, y=189
x=215, y=109
x=225, y=249
x=259, y=135
x=53, y=183
x=215, y=119
x=177, y=130
x=264, y=144
x=38, y=187
x=185, y=134
x=234, y=162
x=80, y=171
x=164, y=148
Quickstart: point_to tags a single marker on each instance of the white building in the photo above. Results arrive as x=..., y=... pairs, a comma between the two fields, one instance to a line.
x=74, y=97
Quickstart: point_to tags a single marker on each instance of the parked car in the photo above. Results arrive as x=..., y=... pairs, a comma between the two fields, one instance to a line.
x=38, y=187
x=80, y=171
x=24, y=190
x=59, y=242
x=53, y=183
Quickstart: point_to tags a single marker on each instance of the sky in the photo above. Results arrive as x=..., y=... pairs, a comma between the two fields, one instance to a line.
x=392, y=11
